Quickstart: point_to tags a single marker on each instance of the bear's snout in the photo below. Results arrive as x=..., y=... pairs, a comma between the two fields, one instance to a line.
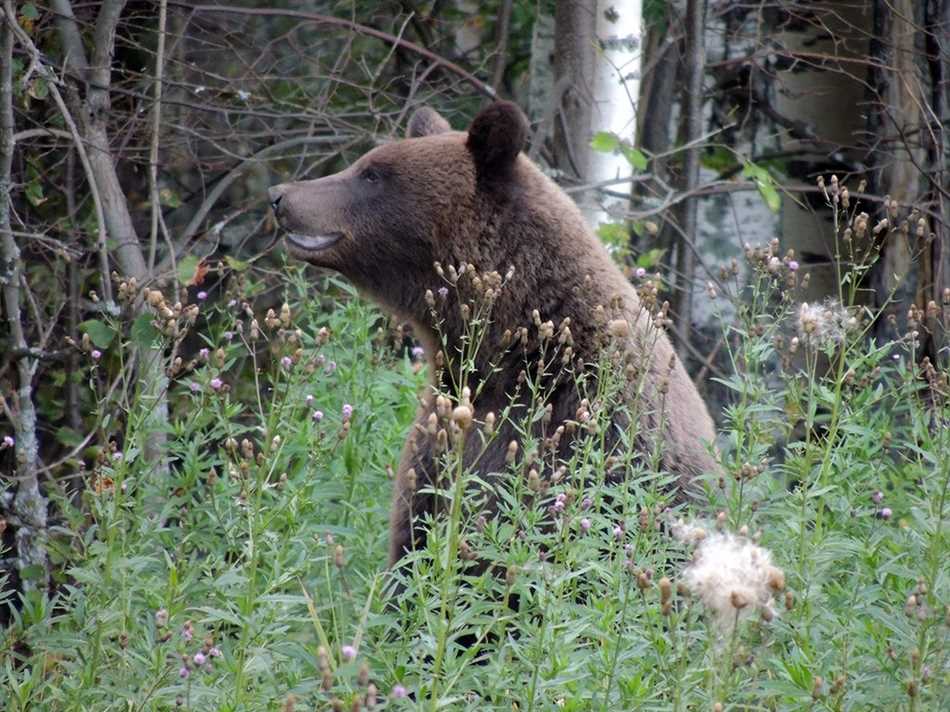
x=275, y=193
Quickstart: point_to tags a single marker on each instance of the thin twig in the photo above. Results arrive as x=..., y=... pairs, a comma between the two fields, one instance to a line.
x=319, y=19
x=156, y=135
x=74, y=134
x=29, y=505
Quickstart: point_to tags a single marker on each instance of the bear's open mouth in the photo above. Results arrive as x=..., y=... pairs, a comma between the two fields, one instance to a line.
x=313, y=243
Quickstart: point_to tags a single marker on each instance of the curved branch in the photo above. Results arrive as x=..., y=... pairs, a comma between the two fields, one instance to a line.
x=232, y=175
x=314, y=17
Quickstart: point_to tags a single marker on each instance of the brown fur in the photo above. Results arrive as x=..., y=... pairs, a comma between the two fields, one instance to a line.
x=457, y=198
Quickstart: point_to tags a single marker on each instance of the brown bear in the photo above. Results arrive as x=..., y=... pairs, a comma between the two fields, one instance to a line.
x=393, y=223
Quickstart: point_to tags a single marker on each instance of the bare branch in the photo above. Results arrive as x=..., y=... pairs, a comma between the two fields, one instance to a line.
x=69, y=35
x=29, y=504
x=73, y=134
x=476, y=83
x=156, y=135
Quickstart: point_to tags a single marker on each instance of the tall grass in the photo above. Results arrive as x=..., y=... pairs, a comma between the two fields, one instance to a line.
x=252, y=577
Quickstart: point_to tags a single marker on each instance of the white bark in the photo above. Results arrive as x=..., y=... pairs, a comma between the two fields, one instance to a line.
x=615, y=89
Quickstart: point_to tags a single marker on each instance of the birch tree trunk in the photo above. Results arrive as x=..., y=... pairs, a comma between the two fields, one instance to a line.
x=596, y=86
x=616, y=89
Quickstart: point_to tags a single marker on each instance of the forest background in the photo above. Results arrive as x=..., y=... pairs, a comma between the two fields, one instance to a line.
x=165, y=474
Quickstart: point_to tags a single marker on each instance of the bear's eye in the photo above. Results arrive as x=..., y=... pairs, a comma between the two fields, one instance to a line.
x=370, y=175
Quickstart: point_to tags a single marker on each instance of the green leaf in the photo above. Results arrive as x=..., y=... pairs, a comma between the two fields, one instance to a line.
x=34, y=193
x=718, y=159
x=31, y=572
x=635, y=157
x=605, y=142
x=765, y=184
x=99, y=332
x=236, y=264
x=187, y=266
x=144, y=333
x=29, y=11
x=38, y=89
x=650, y=258
x=770, y=196
x=169, y=198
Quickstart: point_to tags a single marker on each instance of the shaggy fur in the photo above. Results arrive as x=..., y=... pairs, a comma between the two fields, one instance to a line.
x=457, y=198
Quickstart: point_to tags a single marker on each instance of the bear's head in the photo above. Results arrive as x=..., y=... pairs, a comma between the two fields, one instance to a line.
x=383, y=221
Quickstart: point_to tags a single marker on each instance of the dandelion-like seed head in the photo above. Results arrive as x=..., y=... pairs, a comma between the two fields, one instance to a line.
x=733, y=577
x=824, y=324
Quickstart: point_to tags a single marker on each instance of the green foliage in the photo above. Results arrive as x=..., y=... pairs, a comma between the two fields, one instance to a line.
x=252, y=573
x=765, y=183
x=608, y=142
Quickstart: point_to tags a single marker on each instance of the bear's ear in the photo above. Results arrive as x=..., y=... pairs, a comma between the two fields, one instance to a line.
x=495, y=139
x=426, y=122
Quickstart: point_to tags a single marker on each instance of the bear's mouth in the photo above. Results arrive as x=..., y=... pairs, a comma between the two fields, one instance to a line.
x=313, y=243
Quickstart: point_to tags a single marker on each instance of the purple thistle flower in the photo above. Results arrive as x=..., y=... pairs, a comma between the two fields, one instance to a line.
x=204, y=354
x=348, y=651
x=215, y=652
x=585, y=524
x=399, y=692
x=885, y=513
x=308, y=400
x=331, y=367
x=195, y=387
x=228, y=335
x=640, y=273
x=8, y=441
x=347, y=411
x=216, y=383
x=317, y=416
x=202, y=295
x=444, y=292
x=184, y=672
x=793, y=266
x=287, y=362
x=586, y=504
x=200, y=658
x=96, y=354
x=417, y=353
x=618, y=532
x=877, y=496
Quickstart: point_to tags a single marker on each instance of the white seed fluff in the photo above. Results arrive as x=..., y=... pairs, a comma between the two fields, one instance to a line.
x=733, y=577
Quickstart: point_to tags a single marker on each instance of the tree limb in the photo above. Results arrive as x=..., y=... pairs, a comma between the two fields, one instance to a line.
x=29, y=505
x=476, y=83
x=693, y=100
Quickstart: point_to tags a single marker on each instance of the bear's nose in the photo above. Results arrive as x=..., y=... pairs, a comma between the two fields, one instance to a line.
x=275, y=197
